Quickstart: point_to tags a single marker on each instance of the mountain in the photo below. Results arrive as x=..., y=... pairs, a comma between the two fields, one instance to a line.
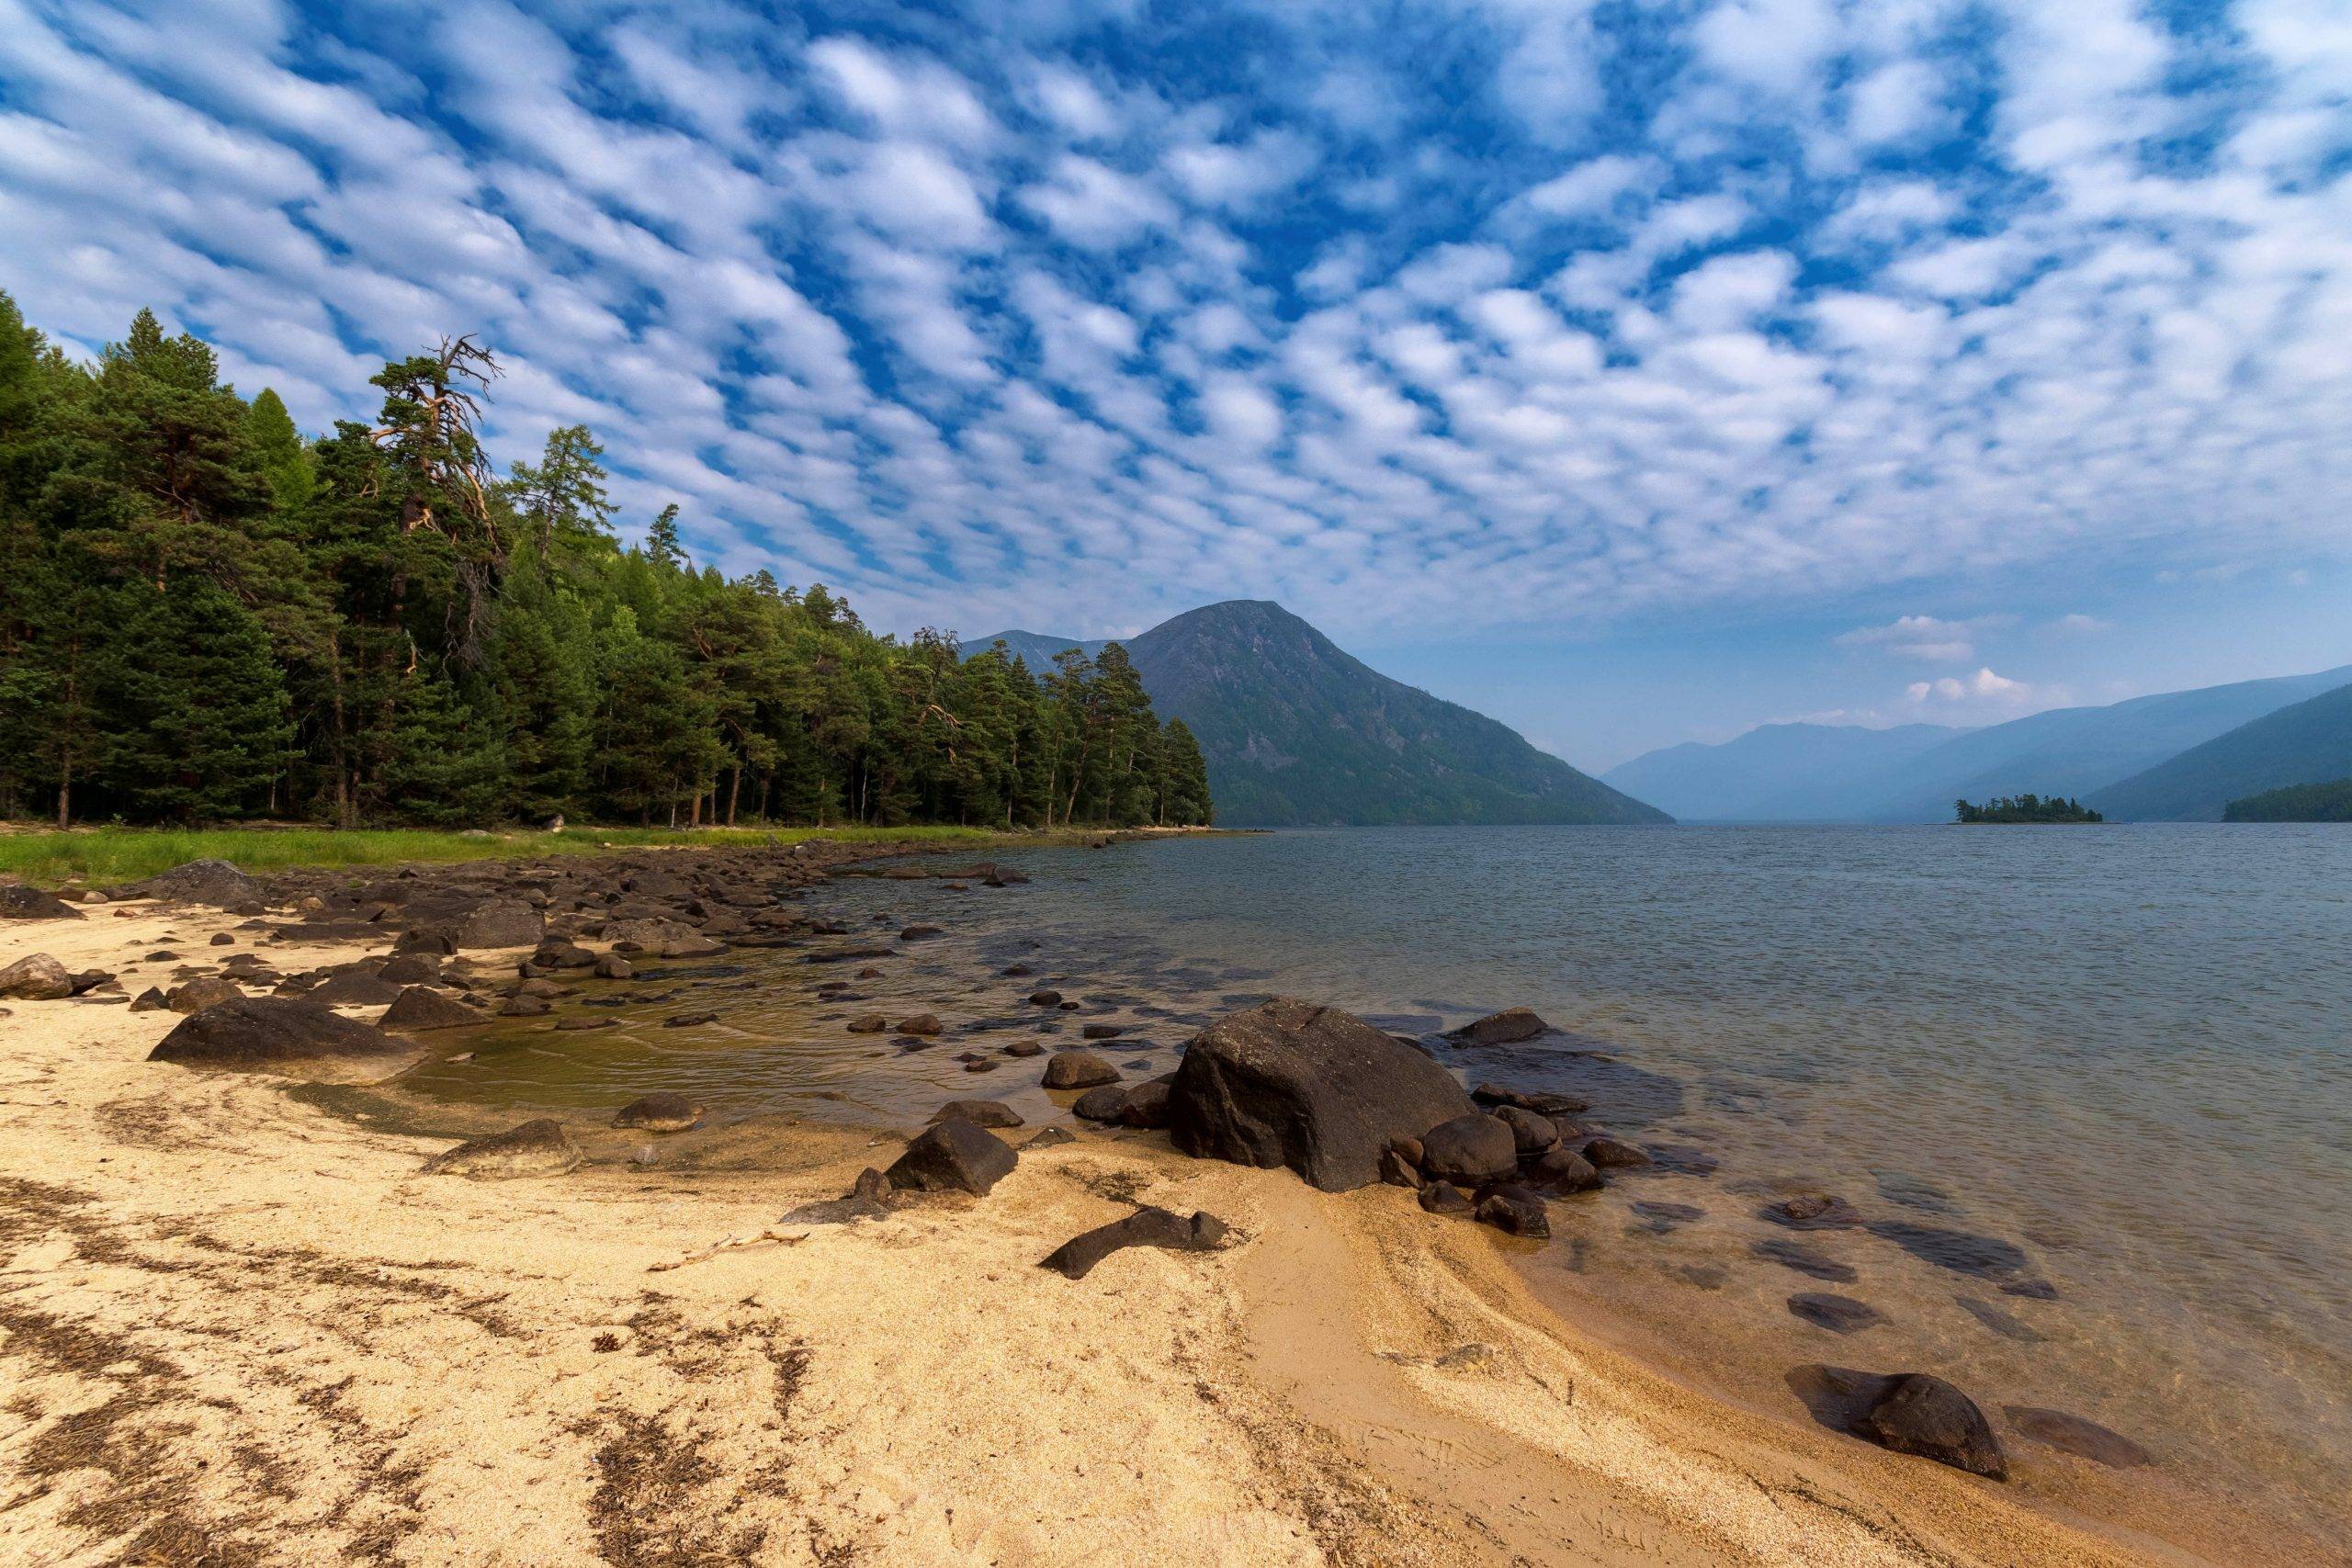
x=1778, y=773
x=2310, y=742
x=1036, y=649
x=1299, y=734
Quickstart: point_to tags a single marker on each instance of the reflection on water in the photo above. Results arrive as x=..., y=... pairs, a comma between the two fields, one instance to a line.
x=2086, y=1089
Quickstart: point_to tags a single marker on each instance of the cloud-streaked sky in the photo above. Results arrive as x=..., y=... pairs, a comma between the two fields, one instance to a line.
x=1635, y=372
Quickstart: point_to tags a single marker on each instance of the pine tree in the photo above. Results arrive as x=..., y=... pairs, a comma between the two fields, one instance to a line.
x=193, y=709
x=279, y=452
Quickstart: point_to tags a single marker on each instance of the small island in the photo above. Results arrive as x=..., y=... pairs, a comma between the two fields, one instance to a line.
x=2296, y=802
x=2025, y=809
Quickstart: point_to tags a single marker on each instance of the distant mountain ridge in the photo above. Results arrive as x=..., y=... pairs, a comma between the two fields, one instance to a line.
x=2307, y=743
x=1299, y=733
x=2077, y=751
x=1035, y=650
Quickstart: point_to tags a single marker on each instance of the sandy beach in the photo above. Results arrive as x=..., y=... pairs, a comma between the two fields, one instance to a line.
x=238, y=1324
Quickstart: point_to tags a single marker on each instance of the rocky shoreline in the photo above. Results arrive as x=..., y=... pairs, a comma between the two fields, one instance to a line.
x=327, y=978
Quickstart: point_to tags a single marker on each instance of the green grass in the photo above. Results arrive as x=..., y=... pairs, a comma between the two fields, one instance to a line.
x=102, y=856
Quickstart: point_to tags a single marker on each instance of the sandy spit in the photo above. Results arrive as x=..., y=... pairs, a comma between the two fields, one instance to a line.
x=237, y=1327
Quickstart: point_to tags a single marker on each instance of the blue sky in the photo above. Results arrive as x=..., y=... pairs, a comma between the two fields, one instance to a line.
x=1635, y=372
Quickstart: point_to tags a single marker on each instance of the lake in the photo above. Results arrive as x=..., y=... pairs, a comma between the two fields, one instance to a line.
x=2087, y=1089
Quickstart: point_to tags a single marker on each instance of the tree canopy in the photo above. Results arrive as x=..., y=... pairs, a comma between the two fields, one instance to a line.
x=206, y=615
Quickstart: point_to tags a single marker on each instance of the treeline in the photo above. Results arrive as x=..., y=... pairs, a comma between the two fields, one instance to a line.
x=2296, y=802
x=2026, y=809
x=205, y=616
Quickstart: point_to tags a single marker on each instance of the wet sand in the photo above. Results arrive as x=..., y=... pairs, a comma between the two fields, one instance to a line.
x=241, y=1325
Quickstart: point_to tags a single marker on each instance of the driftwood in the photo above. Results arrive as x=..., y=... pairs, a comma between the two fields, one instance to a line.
x=728, y=1244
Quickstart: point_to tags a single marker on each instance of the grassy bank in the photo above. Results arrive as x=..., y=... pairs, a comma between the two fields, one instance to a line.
x=106, y=855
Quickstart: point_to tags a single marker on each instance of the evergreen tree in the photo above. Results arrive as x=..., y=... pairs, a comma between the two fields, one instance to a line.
x=279, y=451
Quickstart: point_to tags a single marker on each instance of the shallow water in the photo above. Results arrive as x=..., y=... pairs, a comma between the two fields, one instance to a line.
x=2089, y=1089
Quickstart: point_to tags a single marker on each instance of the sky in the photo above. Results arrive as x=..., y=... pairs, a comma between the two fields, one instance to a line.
x=1635, y=372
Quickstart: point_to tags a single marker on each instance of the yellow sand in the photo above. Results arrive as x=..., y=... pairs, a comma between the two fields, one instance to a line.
x=241, y=1329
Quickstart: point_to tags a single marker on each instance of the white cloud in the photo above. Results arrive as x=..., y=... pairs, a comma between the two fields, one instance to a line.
x=1983, y=689
x=1925, y=638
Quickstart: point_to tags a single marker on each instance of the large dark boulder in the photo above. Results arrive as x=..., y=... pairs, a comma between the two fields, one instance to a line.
x=1145, y=1227
x=355, y=987
x=211, y=882
x=1288, y=1083
x=421, y=1008
x=19, y=902
x=288, y=1035
x=953, y=1157
x=1911, y=1413
x=1470, y=1150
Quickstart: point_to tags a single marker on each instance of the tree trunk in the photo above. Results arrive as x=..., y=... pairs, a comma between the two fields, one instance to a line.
x=65, y=741
x=734, y=793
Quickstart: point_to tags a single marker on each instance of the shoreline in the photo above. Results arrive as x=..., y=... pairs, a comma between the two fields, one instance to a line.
x=273, y=1277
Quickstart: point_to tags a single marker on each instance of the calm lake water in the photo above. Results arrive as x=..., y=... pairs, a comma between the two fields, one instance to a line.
x=2090, y=1089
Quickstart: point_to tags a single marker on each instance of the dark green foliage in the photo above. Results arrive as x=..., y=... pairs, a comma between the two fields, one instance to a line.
x=2311, y=739
x=203, y=615
x=2297, y=803
x=2025, y=809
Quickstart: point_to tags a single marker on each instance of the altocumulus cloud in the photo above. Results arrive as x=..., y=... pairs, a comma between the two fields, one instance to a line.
x=1554, y=311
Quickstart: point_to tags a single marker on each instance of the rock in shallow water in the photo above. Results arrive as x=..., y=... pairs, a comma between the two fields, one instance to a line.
x=1313, y=1089
x=658, y=1113
x=2078, y=1436
x=1911, y=1413
x=1516, y=1210
x=1470, y=1151
x=979, y=1112
x=1506, y=1028
x=421, y=1008
x=1078, y=1069
x=1839, y=1314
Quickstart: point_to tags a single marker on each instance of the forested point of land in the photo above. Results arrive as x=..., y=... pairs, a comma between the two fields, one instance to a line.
x=206, y=615
x=2296, y=802
x=2026, y=809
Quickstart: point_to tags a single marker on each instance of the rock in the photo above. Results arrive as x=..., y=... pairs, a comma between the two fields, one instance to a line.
x=1563, y=1170
x=2000, y=1322
x=288, y=1036
x=952, y=1156
x=149, y=1000
x=421, y=1008
x=525, y=1005
x=1100, y=1031
x=1145, y=1227
x=612, y=966
x=584, y=1025
x=354, y=988
x=1024, y=1048
x=212, y=882
x=2074, y=1435
x=920, y=933
x=868, y=1023
x=1291, y=1084
x=1128, y=1105
x=1045, y=998
x=1470, y=1151
x=1077, y=1069
x=1105, y=1104
x=1016, y=972
x=1839, y=1314
x=1530, y=1132
x=689, y=1020
x=1613, y=1154
x=921, y=1023
x=1542, y=1104
x=1052, y=1137
x=19, y=902
x=199, y=994
x=410, y=969
x=1660, y=1218
x=871, y=1189
x=1515, y=1211
x=1445, y=1198
x=1409, y=1149
x=223, y=939
x=37, y=978
x=1805, y=1261
x=557, y=953
x=658, y=1113
x=1399, y=1171
x=1925, y=1415
x=534, y=1148
x=500, y=922
x=1813, y=1212
x=979, y=1112
x=87, y=980
x=1506, y=1028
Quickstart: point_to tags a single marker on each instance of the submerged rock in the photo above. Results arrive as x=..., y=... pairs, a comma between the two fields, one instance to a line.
x=1505, y=1027
x=1541, y=1102
x=1145, y=1227
x=663, y=1112
x=535, y=1148
x=1839, y=1314
x=1287, y=1083
x=953, y=1157
x=1562, y=1169
x=288, y=1036
x=2078, y=1436
x=1615, y=1154
x=1813, y=1212
x=1796, y=1255
x=979, y=1112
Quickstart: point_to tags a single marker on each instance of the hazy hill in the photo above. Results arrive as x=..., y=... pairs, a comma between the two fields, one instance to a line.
x=1779, y=772
x=2309, y=742
x=1036, y=649
x=1298, y=733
